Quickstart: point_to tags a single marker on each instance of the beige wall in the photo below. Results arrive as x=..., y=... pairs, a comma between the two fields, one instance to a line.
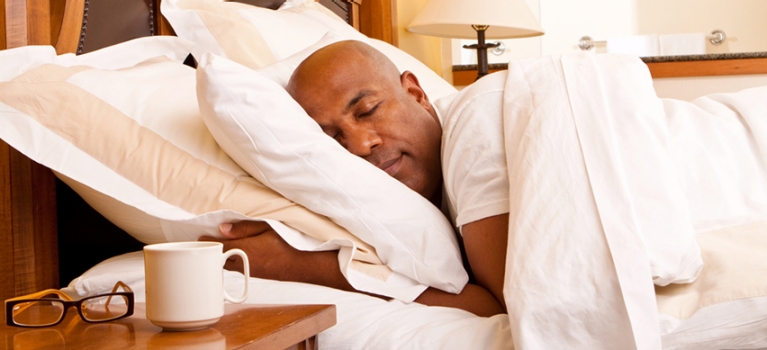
x=425, y=48
x=565, y=21
x=690, y=88
x=742, y=20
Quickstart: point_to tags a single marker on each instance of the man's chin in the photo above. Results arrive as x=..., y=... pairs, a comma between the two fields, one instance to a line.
x=417, y=187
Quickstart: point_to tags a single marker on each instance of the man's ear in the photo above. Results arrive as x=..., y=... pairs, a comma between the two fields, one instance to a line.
x=413, y=87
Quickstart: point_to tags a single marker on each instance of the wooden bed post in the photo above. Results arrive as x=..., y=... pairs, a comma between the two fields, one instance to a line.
x=354, y=13
x=18, y=16
x=2, y=25
x=162, y=27
x=28, y=229
x=378, y=19
x=28, y=232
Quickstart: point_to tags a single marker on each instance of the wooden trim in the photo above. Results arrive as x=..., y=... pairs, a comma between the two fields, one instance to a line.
x=45, y=227
x=354, y=13
x=2, y=25
x=708, y=68
x=8, y=285
x=161, y=23
x=466, y=77
x=676, y=69
x=39, y=22
x=27, y=22
x=378, y=20
x=22, y=218
x=57, y=18
x=71, y=25
x=27, y=225
x=15, y=23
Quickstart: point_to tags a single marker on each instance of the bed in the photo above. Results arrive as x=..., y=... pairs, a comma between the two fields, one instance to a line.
x=47, y=227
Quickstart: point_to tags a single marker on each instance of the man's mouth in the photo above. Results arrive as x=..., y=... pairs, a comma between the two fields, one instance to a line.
x=391, y=166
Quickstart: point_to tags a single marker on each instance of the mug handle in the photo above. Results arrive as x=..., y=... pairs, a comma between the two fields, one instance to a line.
x=246, y=274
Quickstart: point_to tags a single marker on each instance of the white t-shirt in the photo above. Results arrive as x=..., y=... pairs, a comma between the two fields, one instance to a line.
x=476, y=180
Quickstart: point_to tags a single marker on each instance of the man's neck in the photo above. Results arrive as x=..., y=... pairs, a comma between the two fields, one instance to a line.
x=436, y=199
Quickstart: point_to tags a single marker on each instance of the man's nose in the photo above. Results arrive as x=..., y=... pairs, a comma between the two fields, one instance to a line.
x=361, y=141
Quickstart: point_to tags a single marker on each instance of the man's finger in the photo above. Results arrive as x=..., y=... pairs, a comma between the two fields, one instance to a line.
x=233, y=264
x=243, y=229
x=210, y=239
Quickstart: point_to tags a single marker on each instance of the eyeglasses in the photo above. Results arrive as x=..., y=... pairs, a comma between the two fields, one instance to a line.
x=48, y=307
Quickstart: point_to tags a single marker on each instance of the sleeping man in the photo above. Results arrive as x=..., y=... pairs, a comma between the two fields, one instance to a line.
x=358, y=97
x=575, y=189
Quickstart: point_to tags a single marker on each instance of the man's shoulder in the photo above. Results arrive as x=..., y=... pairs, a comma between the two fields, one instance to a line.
x=473, y=152
x=489, y=87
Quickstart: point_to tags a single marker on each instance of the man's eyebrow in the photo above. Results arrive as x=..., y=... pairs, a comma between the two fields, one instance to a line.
x=360, y=95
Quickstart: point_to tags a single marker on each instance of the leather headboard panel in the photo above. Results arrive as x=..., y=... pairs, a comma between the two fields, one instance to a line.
x=272, y=4
x=109, y=22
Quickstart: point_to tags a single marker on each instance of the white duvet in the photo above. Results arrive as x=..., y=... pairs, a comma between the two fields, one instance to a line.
x=726, y=308
x=608, y=184
x=614, y=192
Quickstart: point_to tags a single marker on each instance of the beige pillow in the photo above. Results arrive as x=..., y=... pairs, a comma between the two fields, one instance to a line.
x=132, y=143
x=727, y=303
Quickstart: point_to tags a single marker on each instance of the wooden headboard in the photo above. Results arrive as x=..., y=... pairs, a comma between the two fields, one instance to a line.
x=48, y=234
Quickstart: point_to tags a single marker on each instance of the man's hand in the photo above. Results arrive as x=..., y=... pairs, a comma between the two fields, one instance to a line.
x=270, y=257
x=473, y=298
x=243, y=229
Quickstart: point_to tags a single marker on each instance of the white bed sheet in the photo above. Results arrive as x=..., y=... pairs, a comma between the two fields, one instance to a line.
x=365, y=322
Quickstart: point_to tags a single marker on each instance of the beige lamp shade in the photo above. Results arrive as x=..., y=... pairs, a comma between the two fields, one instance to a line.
x=454, y=19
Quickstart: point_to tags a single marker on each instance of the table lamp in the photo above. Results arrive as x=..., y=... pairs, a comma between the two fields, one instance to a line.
x=481, y=19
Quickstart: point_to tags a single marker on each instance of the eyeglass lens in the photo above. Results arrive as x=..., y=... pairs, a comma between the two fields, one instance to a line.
x=48, y=312
x=104, y=308
x=37, y=313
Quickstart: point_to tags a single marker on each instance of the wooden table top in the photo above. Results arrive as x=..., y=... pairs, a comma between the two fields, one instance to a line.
x=244, y=326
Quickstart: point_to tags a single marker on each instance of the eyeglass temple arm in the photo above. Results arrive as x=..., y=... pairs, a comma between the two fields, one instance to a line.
x=40, y=294
x=119, y=284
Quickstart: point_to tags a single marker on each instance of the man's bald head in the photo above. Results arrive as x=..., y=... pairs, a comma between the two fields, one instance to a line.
x=340, y=59
x=358, y=97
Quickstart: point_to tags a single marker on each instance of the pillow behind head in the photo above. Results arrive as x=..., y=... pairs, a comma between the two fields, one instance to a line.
x=267, y=133
x=247, y=35
x=281, y=71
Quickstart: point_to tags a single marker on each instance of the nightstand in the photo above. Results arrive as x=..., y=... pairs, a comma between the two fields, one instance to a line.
x=242, y=327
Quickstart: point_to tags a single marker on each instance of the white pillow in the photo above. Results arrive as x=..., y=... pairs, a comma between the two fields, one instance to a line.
x=126, y=54
x=280, y=71
x=265, y=131
x=241, y=33
x=16, y=62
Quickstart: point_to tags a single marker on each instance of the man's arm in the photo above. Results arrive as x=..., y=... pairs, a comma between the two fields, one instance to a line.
x=271, y=257
x=473, y=298
x=485, y=243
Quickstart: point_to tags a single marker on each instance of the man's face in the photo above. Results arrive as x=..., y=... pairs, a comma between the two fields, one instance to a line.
x=381, y=119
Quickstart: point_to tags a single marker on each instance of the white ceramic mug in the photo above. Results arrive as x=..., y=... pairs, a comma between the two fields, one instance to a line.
x=185, y=284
